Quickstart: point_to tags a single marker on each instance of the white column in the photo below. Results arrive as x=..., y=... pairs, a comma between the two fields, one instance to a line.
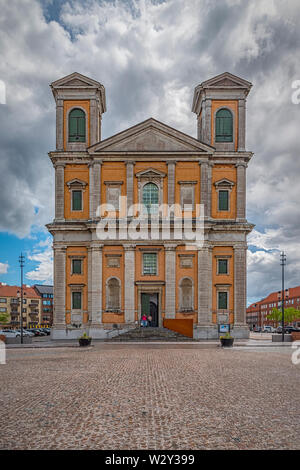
x=241, y=190
x=205, y=285
x=96, y=284
x=59, y=124
x=129, y=185
x=207, y=117
x=93, y=122
x=59, y=190
x=94, y=187
x=242, y=126
x=171, y=182
x=129, y=283
x=240, y=287
x=59, y=309
x=205, y=186
x=170, y=276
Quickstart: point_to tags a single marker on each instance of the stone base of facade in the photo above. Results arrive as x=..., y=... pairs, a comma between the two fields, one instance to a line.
x=206, y=332
x=94, y=331
x=240, y=332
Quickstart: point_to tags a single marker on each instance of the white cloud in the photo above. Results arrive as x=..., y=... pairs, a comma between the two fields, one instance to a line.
x=44, y=270
x=3, y=268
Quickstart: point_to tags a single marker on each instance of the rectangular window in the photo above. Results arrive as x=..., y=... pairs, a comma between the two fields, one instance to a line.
x=3, y=301
x=149, y=264
x=222, y=266
x=3, y=309
x=187, y=197
x=223, y=200
x=77, y=200
x=76, y=300
x=113, y=194
x=222, y=300
x=76, y=266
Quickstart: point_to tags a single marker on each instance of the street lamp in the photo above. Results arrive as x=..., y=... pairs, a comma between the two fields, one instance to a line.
x=21, y=263
x=282, y=264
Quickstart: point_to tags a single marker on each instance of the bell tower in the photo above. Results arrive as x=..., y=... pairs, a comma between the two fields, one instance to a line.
x=220, y=106
x=80, y=103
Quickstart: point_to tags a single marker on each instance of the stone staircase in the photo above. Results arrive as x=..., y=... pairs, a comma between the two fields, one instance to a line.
x=150, y=334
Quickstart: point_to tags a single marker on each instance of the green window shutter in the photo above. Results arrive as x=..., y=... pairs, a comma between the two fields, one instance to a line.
x=76, y=300
x=76, y=200
x=76, y=266
x=223, y=200
x=149, y=264
x=223, y=266
x=150, y=198
x=222, y=300
x=77, y=126
x=224, y=126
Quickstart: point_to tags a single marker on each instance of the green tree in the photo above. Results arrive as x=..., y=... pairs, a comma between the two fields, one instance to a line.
x=4, y=317
x=290, y=314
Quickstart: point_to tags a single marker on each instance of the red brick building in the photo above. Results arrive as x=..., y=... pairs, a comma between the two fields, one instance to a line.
x=256, y=314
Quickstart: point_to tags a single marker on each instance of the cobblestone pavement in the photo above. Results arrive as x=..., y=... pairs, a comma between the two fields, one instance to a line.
x=128, y=397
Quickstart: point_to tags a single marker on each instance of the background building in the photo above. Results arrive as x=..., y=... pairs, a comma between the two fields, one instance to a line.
x=46, y=294
x=10, y=303
x=257, y=312
x=101, y=282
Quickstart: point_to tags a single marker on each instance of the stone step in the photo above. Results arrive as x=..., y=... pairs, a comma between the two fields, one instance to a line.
x=150, y=334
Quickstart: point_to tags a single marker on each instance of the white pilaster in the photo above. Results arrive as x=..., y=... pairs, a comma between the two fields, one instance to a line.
x=129, y=283
x=205, y=285
x=59, y=124
x=59, y=310
x=59, y=190
x=240, y=287
x=171, y=182
x=96, y=282
x=130, y=178
x=241, y=191
x=170, y=276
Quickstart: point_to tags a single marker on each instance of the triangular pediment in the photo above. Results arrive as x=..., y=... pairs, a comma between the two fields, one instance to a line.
x=76, y=182
x=150, y=173
x=226, y=80
x=75, y=80
x=151, y=136
x=224, y=182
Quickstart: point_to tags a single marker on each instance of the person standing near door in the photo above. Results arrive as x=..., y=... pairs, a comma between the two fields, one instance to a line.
x=144, y=320
x=150, y=320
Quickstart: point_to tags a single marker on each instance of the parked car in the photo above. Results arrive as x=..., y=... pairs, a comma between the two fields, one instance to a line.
x=46, y=330
x=10, y=333
x=268, y=329
x=257, y=329
x=36, y=332
x=25, y=332
x=289, y=329
x=42, y=333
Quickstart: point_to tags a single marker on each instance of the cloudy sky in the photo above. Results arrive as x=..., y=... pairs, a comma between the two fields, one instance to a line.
x=150, y=55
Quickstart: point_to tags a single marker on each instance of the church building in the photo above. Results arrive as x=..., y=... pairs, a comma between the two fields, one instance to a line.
x=118, y=247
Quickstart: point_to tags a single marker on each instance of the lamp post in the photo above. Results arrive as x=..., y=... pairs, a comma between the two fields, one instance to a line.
x=282, y=264
x=21, y=262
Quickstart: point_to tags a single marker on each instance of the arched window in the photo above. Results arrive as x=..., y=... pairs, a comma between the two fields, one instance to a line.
x=224, y=126
x=186, y=295
x=150, y=198
x=113, y=294
x=77, y=125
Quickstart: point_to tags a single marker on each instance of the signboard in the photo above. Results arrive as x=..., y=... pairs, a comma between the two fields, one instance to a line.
x=224, y=328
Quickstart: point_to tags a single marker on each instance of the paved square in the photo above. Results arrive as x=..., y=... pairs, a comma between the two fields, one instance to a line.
x=149, y=397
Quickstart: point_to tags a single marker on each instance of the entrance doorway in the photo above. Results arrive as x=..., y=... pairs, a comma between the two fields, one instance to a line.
x=149, y=303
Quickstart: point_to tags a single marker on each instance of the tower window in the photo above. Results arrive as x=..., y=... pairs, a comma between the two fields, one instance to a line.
x=76, y=266
x=77, y=125
x=222, y=266
x=224, y=126
x=223, y=200
x=76, y=200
